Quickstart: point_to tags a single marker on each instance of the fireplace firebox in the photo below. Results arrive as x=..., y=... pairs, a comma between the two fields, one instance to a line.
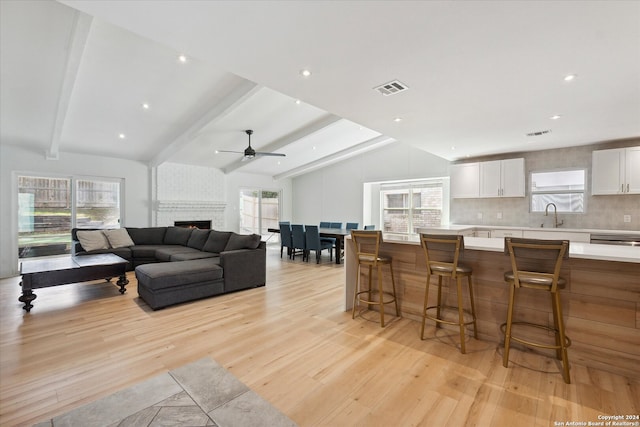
x=203, y=224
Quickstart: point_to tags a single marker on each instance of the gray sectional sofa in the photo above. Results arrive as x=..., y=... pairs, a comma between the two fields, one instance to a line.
x=176, y=264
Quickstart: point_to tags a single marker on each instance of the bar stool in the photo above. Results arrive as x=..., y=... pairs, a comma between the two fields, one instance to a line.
x=536, y=265
x=367, y=247
x=442, y=253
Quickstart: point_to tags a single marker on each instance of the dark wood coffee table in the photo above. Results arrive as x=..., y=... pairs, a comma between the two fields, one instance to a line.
x=44, y=273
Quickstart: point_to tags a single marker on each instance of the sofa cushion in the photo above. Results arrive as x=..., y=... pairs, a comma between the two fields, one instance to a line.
x=198, y=238
x=148, y=235
x=173, y=274
x=118, y=238
x=186, y=256
x=217, y=241
x=164, y=254
x=146, y=251
x=177, y=236
x=121, y=252
x=92, y=240
x=242, y=241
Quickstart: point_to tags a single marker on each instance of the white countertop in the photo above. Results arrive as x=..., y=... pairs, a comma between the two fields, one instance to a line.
x=464, y=227
x=576, y=249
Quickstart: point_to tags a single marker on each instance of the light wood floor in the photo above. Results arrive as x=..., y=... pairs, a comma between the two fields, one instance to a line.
x=291, y=343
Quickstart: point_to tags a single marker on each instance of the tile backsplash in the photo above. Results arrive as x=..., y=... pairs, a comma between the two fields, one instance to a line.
x=602, y=212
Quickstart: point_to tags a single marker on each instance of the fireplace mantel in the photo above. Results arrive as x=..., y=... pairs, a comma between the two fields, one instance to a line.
x=189, y=205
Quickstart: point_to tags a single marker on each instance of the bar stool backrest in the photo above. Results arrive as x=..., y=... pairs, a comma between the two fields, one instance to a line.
x=442, y=252
x=538, y=261
x=367, y=244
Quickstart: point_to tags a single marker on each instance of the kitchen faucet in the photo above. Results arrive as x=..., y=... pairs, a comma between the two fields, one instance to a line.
x=556, y=224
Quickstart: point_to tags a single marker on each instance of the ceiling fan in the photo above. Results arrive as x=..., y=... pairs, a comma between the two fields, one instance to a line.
x=249, y=152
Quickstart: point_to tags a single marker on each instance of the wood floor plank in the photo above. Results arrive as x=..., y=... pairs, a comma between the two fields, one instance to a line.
x=293, y=344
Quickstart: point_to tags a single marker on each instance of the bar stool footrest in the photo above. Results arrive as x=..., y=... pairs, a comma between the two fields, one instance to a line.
x=503, y=328
x=449, y=322
x=365, y=301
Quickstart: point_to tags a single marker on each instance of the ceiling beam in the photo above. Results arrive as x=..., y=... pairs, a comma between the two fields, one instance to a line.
x=214, y=111
x=363, y=147
x=75, y=48
x=321, y=123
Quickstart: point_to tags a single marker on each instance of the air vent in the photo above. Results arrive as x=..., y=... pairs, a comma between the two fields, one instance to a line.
x=540, y=132
x=391, y=88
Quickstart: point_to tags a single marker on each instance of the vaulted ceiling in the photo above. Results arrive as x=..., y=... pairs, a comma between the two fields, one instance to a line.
x=104, y=77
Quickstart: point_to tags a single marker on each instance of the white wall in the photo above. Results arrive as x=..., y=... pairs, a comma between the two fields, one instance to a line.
x=15, y=159
x=335, y=193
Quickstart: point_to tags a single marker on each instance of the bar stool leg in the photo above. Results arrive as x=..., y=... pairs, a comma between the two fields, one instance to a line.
x=507, y=332
x=473, y=308
x=393, y=284
x=439, y=300
x=424, y=307
x=370, y=279
x=556, y=328
x=565, y=358
x=355, y=293
x=460, y=314
x=381, y=295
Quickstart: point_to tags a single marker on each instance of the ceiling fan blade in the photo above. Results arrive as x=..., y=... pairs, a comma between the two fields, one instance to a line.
x=228, y=151
x=259, y=153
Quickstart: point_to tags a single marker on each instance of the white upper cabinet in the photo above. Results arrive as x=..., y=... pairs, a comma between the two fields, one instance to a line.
x=502, y=178
x=616, y=171
x=465, y=181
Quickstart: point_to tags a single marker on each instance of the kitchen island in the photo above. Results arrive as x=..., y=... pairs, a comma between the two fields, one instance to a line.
x=601, y=301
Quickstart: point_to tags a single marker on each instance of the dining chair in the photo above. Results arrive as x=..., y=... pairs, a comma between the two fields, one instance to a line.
x=327, y=240
x=369, y=227
x=298, y=241
x=314, y=243
x=285, y=238
x=352, y=226
x=336, y=225
x=325, y=224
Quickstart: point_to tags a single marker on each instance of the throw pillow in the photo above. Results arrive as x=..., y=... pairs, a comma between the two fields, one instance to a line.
x=177, y=236
x=93, y=240
x=217, y=241
x=118, y=238
x=198, y=239
x=242, y=241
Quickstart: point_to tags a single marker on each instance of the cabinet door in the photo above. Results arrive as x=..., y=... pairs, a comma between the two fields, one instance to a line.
x=464, y=180
x=490, y=181
x=513, y=178
x=632, y=170
x=607, y=171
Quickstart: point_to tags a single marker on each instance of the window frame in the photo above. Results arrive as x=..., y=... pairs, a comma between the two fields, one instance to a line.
x=582, y=191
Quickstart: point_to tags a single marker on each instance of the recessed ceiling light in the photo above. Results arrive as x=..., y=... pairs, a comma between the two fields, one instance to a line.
x=298, y=102
x=182, y=58
x=397, y=119
x=122, y=136
x=145, y=106
x=217, y=152
x=453, y=148
x=314, y=147
x=569, y=77
x=305, y=73
x=556, y=117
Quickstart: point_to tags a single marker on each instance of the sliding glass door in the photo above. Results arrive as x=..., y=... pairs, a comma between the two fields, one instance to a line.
x=259, y=211
x=48, y=207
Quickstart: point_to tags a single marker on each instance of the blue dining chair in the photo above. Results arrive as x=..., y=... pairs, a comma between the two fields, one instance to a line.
x=336, y=225
x=314, y=243
x=325, y=224
x=352, y=226
x=369, y=227
x=298, y=242
x=285, y=238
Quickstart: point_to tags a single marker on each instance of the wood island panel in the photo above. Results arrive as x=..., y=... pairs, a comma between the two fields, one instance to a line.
x=601, y=302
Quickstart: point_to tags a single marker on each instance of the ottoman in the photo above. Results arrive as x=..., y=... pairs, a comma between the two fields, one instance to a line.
x=168, y=283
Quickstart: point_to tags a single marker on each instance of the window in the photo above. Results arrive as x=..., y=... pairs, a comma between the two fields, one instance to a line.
x=407, y=206
x=563, y=188
x=259, y=210
x=48, y=207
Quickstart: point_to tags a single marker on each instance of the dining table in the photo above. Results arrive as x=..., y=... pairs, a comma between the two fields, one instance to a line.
x=336, y=233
